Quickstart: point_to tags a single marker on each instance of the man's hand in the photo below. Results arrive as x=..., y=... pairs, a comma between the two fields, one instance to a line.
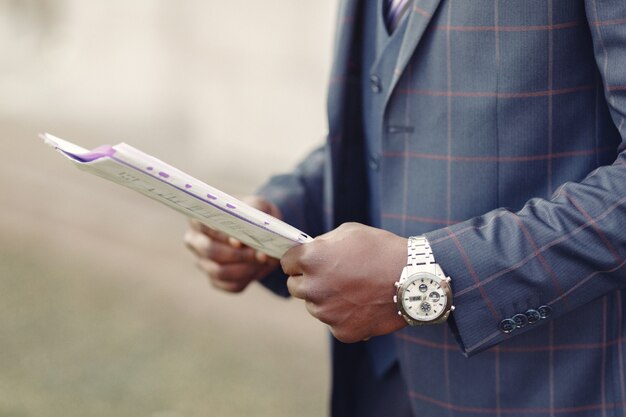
x=346, y=278
x=229, y=264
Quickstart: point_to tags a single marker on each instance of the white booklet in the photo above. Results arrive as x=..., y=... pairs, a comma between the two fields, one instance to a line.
x=154, y=178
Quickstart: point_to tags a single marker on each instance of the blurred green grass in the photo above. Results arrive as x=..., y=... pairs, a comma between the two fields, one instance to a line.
x=75, y=342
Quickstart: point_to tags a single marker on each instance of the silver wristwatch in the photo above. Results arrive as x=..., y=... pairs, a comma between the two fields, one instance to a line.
x=423, y=293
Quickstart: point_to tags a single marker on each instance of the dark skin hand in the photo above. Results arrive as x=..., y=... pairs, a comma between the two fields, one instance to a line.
x=346, y=278
x=230, y=265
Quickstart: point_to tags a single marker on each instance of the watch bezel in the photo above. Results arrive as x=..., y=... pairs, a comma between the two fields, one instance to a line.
x=443, y=282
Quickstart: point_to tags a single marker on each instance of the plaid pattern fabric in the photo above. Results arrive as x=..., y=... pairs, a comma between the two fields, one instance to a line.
x=502, y=141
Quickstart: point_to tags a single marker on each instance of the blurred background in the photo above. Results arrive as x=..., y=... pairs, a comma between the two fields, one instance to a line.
x=102, y=311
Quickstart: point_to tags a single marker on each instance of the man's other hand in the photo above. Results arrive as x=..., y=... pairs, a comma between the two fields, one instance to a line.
x=346, y=278
x=229, y=264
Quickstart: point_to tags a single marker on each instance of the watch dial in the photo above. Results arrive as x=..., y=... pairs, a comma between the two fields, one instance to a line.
x=424, y=298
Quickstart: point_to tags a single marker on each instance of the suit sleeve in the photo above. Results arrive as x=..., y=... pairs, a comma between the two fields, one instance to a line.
x=299, y=196
x=557, y=254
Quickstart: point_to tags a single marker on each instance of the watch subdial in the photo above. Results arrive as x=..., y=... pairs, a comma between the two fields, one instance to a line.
x=424, y=299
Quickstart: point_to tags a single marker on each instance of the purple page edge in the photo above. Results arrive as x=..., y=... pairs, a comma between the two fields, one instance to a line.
x=100, y=152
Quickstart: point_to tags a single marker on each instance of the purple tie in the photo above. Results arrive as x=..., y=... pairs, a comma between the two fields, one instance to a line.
x=393, y=12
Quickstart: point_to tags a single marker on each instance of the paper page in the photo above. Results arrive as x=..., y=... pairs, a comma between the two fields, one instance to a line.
x=154, y=178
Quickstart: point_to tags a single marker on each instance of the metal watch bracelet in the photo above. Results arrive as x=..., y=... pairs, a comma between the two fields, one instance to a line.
x=421, y=255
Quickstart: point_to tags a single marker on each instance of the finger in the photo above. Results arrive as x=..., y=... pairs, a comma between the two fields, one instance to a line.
x=230, y=277
x=194, y=224
x=290, y=261
x=195, y=242
x=234, y=242
x=223, y=253
x=197, y=225
x=226, y=254
x=204, y=229
x=346, y=335
x=227, y=272
x=262, y=258
x=215, y=234
x=232, y=287
x=205, y=247
x=295, y=285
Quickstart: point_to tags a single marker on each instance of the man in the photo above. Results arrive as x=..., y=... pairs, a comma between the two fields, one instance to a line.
x=491, y=132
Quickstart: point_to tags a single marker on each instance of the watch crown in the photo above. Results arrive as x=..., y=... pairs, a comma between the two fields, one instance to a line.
x=397, y=284
x=448, y=279
x=395, y=298
x=399, y=313
x=452, y=308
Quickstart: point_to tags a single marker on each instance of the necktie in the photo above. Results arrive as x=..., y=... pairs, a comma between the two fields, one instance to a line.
x=393, y=12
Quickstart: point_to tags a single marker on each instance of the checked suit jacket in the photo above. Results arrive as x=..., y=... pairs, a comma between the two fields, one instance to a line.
x=501, y=139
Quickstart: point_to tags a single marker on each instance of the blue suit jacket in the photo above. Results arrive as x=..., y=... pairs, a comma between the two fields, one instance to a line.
x=502, y=140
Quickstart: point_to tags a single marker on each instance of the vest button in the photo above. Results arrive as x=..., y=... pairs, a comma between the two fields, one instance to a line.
x=374, y=162
x=393, y=129
x=375, y=84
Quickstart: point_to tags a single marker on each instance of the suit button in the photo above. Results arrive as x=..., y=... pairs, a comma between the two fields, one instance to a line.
x=532, y=315
x=520, y=320
x=393, y=129
x=507, y=325
x=375, y=84
x=374, y=162
x=545, y=311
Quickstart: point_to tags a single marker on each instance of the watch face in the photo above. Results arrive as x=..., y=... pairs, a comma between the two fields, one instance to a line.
x=424, y=296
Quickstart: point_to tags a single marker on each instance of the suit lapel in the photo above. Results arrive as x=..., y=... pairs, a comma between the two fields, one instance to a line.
x=343, y=74
x=419, y=17
x=344, y=45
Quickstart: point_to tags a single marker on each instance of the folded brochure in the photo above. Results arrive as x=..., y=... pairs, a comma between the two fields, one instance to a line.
x=132, y=168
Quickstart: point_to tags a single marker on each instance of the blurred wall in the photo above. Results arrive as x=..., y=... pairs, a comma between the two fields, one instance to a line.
x=204, y=79
x=204, y=85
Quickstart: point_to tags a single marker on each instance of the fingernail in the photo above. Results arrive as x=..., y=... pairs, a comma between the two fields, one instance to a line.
x=261, y=257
